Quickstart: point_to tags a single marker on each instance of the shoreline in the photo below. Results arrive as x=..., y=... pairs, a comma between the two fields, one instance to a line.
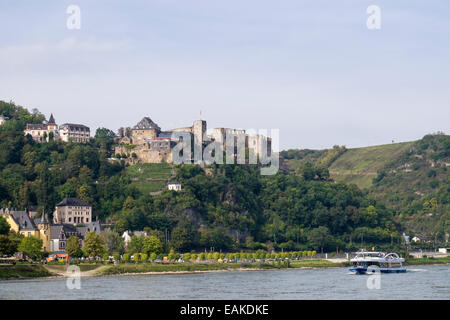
x=100, y=271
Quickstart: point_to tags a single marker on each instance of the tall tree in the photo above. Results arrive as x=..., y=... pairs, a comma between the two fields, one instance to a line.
x=94, y=245
x=73, y=247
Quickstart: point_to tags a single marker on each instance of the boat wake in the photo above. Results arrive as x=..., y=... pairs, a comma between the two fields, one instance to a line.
x=415, y=270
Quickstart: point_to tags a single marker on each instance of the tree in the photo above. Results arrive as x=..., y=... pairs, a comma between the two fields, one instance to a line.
x=171, y=255
x=4, y=226
x=73, y=247
x=7, y=246
x=104, y=137
x=152, y=244
x=187, y=256
x=94, y=245
x=136, y=244
x=31, y=247
x=184, y=237
x=319, y=238
x=114, y=243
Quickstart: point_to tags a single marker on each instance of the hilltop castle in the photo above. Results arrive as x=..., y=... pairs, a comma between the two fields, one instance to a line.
x=147, y=143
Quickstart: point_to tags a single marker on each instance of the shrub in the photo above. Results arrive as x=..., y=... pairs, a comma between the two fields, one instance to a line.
x=187, y=256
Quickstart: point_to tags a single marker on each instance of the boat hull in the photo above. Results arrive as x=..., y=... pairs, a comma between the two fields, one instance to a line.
x=381, y=270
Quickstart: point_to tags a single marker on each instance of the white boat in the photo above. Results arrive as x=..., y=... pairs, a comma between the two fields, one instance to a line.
x=372, y=262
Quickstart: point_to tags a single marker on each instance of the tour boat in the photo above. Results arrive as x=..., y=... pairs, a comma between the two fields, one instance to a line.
x=373, y=262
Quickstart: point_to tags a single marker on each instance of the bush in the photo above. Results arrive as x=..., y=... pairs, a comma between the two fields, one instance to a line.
x=126, y=257
x=187, y=256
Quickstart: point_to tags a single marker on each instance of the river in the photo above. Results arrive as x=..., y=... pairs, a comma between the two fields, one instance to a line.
x=420, y=282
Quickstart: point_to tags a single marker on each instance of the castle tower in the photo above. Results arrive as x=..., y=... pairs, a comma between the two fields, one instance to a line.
x=44, y=231
x=199, y=130
x=52, y=127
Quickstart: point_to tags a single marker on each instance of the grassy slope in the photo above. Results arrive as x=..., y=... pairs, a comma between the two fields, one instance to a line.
x=360, y=165
x=143, y=172
x=195, y=267
x=22, y=271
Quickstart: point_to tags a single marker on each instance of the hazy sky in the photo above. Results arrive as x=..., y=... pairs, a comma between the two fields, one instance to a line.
x=309, y=68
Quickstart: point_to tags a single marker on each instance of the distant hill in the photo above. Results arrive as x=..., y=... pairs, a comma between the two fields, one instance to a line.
x=418, y=166
x=411, y=177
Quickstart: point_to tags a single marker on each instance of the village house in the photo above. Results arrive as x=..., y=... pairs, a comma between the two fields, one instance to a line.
x=21, y=222
x=174, y=185
x=72, y=211
x=74, y=132
x=60, y=233
x=41, y=132
x=2, y=119
x=126, y=236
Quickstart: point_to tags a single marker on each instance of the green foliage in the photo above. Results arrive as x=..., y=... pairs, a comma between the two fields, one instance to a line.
x=232, y=207
x=114, y=243
x=94, y=245
x=4, y=226
x=152, y=244
x=31, y=247
x=73, y=247
x=8, y=245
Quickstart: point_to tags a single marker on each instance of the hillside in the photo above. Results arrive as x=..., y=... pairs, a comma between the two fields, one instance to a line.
x=410, y=177
x=361, y=165
x=416, y=167
x=226, y=207
x=148, y=177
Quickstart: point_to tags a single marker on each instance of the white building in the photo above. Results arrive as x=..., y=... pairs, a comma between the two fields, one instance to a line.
x=72, y=211
x=174, y=185
x=2, y=119
x=74, y=132
x=126, y=237
x=41, y=132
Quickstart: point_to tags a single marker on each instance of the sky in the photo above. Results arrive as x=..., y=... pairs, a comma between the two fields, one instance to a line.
x=311, y=69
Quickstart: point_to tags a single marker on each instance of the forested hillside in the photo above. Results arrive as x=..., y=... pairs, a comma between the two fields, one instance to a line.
x=228, y=207
x=412, y=178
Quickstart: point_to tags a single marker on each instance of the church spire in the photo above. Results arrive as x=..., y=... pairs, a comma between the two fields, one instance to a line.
x=51, y=120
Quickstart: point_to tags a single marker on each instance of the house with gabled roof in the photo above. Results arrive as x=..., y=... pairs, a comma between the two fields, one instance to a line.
x=22, y=222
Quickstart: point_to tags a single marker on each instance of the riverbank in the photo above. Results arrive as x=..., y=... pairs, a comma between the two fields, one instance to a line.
x=213, y=267
x=427, y=261
x=33, y=271
x=23, y=272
